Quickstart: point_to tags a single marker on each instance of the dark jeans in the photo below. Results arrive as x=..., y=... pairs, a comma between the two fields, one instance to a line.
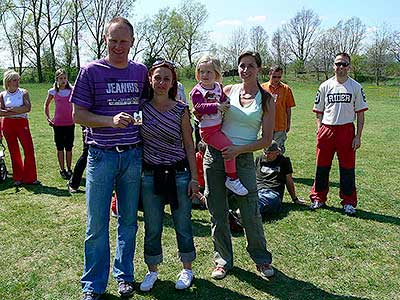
x=80, y=166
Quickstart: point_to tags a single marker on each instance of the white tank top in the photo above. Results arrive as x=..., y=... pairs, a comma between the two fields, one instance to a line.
x=15, y=99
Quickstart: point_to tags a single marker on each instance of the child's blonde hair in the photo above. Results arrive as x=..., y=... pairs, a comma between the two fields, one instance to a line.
x=214, y=62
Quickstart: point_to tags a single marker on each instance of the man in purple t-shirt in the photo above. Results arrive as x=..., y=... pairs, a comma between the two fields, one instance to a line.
x=106, y=97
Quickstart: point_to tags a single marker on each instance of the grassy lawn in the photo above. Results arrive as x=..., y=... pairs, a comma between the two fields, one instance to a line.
x=318, y=255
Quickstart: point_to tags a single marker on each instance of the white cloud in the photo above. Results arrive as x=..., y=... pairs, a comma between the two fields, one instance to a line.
x=259, y=19
x=371, y=29
x=229, y=23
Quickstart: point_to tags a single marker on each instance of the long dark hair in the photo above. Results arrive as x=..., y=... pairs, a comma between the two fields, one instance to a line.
x=58, y=73
x=266, y=97
x=169, y=65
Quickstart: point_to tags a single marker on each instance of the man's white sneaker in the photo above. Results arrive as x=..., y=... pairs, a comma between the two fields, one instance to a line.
x=349, y=209
x=236, y=186
x=316, y=204
x=148, y=281
x=184, y=280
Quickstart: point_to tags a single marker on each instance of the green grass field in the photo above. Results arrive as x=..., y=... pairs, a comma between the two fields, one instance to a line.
x=318, y=255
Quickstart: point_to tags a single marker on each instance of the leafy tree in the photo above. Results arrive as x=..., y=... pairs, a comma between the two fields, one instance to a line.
x=194, y=39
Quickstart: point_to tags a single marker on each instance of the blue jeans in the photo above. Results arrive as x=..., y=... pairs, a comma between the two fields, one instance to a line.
x=106, y=170
x=153, y=208
x=269, y=202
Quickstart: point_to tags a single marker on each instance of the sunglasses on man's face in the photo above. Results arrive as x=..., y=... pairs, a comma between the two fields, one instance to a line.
x=277, y=77
x=342, y=64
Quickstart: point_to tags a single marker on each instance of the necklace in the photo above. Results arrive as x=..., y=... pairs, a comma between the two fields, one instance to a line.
x=247, y=96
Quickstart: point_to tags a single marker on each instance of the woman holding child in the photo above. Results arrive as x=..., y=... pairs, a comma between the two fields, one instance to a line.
x=251, y=109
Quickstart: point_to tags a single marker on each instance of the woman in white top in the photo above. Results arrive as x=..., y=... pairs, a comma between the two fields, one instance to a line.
x=251, y=110
x=14, y=108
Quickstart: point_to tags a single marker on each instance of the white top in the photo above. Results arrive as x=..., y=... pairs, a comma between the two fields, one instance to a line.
x=15, y=99
x=181, y=93
x=242, y=124
x=339, y=102
x=62, y=93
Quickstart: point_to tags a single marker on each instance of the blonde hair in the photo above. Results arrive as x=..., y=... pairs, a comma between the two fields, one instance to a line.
x=8, y=76
x=216, y=64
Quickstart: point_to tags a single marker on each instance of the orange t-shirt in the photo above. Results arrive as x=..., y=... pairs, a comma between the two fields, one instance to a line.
x=284, y=101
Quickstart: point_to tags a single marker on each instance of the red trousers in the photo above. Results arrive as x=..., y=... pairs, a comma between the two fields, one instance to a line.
x=214, y=137
x=339, y=139
x=17, y=129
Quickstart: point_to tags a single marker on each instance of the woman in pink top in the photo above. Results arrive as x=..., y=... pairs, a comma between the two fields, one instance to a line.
x=62, y=122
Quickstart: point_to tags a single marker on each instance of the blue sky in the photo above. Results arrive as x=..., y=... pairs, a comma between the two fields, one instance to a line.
x=225, y=16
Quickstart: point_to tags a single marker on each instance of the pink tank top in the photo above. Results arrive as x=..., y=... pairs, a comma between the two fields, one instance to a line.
x=63, y=110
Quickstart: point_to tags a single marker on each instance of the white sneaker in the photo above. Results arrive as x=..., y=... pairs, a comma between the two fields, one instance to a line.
x=349, y=209
x=148, y=281
x=236, y=186
x=184, y=280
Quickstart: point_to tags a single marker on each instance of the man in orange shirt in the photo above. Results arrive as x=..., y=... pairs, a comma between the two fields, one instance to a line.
x=284, y=102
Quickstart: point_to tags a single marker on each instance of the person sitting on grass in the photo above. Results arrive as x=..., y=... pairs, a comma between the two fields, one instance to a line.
x=274, y=172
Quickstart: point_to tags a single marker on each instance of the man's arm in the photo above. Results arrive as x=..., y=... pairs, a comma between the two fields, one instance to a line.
x=319, y=120
x=360, y=125
x=289, y=116
x=86, y=118
x=291, y=190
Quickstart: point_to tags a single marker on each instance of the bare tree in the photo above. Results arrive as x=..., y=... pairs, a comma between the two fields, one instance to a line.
x=279, y=49
x=55, y=14
x=14, y=20
x=300, y=33
x=139, y=45
x=348, y=35
x=96, y=13
x=378, y=52
x=34, y=35
x=325, y=50
x=395, y=46
x=66, y=57
x=237, y=43
x=259, y=42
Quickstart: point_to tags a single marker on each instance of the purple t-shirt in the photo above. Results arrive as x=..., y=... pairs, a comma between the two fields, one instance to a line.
x=106, y=90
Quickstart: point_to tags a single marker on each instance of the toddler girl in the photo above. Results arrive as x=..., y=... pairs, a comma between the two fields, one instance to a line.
x=210, y=102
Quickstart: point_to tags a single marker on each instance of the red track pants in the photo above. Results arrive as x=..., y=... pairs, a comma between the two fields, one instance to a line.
x=331, y=139
x=17, y=129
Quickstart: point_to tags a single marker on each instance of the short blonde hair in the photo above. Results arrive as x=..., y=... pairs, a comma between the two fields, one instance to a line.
x=214, y=62
x=8, y=76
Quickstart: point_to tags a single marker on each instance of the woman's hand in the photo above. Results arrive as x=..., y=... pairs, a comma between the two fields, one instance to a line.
x=223, y=107
x=230, y=152
x=193, y=189
x=50, y=121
